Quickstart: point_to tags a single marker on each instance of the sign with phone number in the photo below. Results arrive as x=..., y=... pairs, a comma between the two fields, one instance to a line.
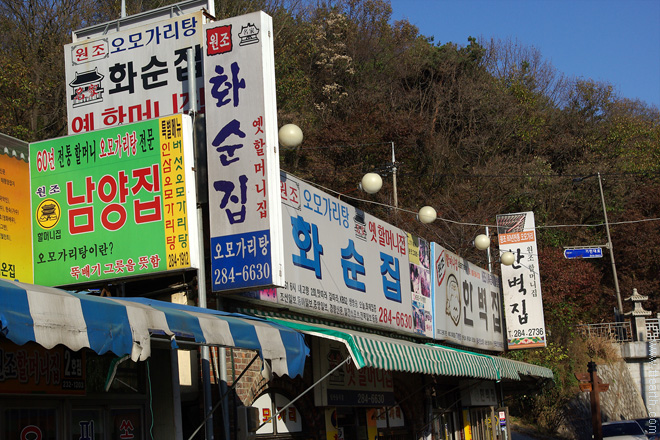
x=360, y=398
x=136, y=181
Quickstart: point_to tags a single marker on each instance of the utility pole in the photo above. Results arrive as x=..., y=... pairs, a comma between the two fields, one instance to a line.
x=619, y=304
x=396, y=200
x=611, y=249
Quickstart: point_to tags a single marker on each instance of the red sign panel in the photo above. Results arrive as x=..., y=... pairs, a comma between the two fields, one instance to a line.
x=30, y=369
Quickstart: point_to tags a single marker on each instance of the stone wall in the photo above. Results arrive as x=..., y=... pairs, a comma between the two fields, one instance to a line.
x=622, y=401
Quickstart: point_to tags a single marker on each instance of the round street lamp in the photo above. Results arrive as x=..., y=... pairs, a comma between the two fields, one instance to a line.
x=371, y=183
x=482, y=242
x=427, y=214
x=507, y=258
x=290, y=135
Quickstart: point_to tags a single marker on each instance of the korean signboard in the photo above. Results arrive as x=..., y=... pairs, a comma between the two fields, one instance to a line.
x=133, y=75
x=15, y=237
x=114, y=203
x=468, y=309
x=342, y=262
x=521, y=281
x=243, y=160
x=289, y=420
x=32, y=369
x=348, y=386
x=478, y=393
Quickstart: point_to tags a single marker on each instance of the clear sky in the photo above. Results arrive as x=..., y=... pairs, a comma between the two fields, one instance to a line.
x=614, y=41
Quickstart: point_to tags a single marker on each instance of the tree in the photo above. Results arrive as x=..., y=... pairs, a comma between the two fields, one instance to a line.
x=31, y=57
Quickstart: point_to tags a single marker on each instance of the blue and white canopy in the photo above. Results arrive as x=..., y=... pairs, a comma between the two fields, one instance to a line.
x=125, y=326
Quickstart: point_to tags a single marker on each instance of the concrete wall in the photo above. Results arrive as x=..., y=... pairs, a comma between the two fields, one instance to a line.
x=644, y=367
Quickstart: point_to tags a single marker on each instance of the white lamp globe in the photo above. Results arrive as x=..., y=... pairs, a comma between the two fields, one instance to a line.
x=427, y=214
x=507, y=258
x=290, y=135
x=371, y=183
x=482, y=242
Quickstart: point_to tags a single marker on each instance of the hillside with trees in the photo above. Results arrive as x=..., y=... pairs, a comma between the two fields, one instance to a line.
x=480, y=127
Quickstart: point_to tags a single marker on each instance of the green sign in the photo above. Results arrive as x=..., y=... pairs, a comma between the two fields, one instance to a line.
x=110, y=203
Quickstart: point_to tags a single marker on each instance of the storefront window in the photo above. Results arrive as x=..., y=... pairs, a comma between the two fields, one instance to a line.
x=126, y=424
x=30, y=424
x=87, y=424
x=289, y=421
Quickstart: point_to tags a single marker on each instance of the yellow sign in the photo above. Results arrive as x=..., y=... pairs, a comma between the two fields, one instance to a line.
x=467, y=428
x=331, y=428
x=372, y=425
x=15, y=220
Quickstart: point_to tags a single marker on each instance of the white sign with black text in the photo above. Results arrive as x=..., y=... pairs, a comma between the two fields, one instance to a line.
x=242, y=154
x=521, y=281
x=468, y=308
x=133, y=75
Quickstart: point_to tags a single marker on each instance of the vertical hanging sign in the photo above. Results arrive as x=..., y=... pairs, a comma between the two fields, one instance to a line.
x=419, y=255
x=521, y=281
x=15, y=235
x=243, y=161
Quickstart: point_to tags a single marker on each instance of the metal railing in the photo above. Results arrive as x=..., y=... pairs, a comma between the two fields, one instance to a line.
x=653, y=329
x=615, y=331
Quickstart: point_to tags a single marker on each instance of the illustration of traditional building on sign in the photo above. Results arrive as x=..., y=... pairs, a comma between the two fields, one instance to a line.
x=249, y=35
x=86, y=88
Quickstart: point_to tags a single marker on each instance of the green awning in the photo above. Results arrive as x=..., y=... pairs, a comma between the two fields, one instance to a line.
x=371, y=350
x=382, y=352
x=511, y=369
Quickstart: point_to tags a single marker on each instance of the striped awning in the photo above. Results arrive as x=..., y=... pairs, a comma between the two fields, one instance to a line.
x=125, y=326
x=371, y=350
x=511, y=369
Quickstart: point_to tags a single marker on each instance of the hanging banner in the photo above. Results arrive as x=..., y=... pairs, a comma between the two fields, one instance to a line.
x=468, y=309
x=521, y=281
x=341, y=262
x=242, y=150
x=15, y=234
x=132, y=75
x=419, y=255
x=114, y=203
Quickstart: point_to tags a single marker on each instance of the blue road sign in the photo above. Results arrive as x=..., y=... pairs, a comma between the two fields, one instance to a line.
x=593, y=252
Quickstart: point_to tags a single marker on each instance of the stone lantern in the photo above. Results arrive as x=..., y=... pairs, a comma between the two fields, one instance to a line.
x=639, y=315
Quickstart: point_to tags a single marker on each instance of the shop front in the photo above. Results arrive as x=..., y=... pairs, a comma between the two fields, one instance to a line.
x=371, y=385
x=83, y=367
x=58, y=393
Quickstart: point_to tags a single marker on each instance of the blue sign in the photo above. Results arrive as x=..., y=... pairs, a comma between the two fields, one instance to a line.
x=241, y=261
x=594, y=252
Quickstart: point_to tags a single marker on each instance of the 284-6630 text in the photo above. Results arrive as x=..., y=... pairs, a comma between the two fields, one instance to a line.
x=249, y=272
x=399, y=319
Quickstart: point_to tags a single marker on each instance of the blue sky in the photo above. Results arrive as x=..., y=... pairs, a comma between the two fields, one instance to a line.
x=614, y=41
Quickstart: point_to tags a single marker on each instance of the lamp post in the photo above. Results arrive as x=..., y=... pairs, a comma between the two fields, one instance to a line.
x=373, y=182
x=609, y=241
